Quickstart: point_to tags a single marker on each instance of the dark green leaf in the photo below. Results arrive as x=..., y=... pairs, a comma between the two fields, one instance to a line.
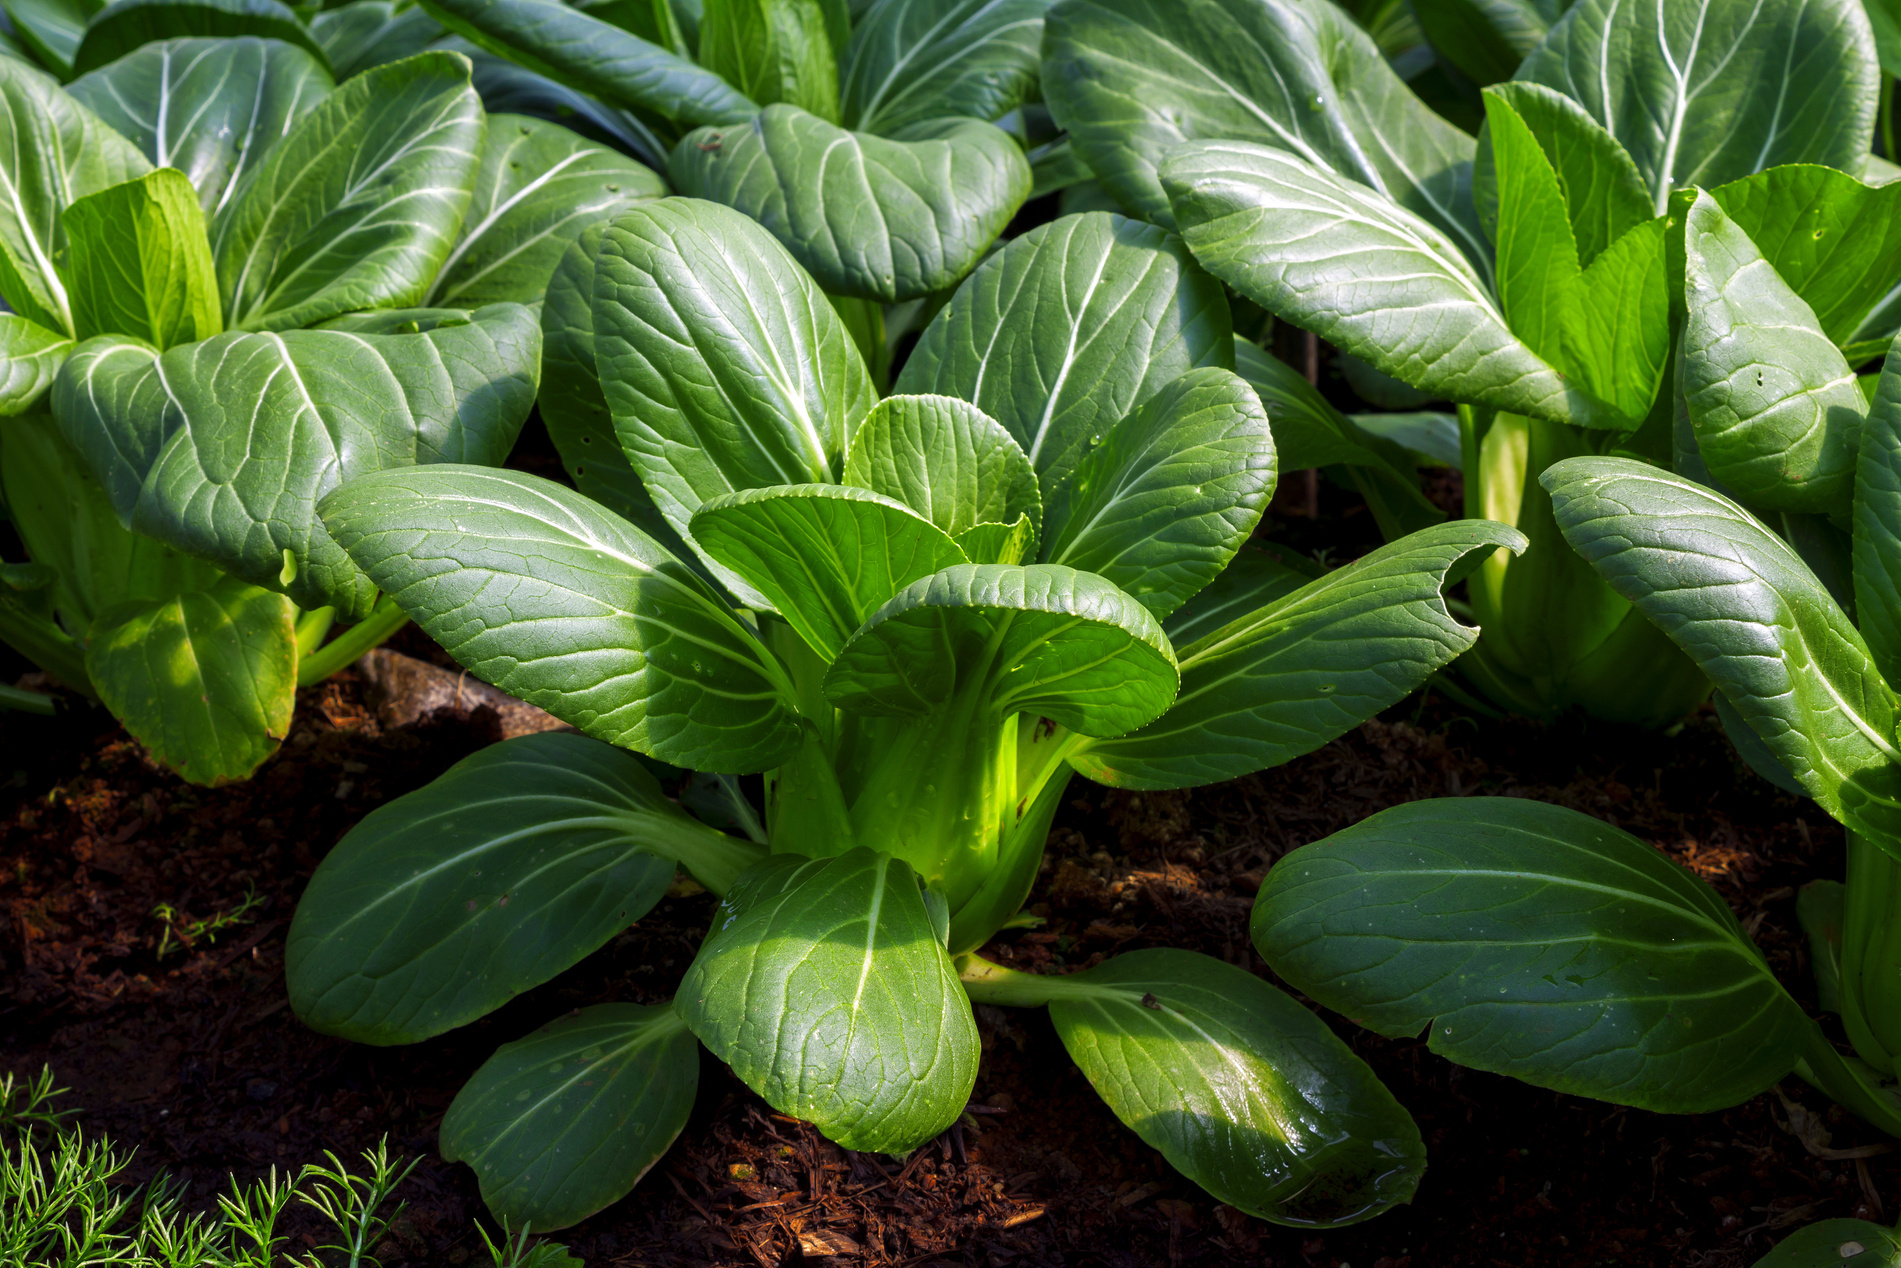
x=441, y=906
x=223, y=448
x=1775, y=407
x=1742, y=604
x=1485, y=39
x=138, y=265
x=206, y=679
x=885, y=218
x=1043, y=639
x=1836, y=1243
x=30, y=355
x=1537, y=942
x=367, y=33
x=125, y=25
x=596, y=57
x=773, y=51
x=912, y=60
x=559, y=603
x=1306, y=667
x=1253, y=579
x=52, y=28
x=537, y=187
x=828, y=991
x=1132, y=78
x=360, y=203
x=566, y=1121
x=1877, y=525
x=948, y=461
x=1172, y=492
x=210, y=108
x=1070, y=328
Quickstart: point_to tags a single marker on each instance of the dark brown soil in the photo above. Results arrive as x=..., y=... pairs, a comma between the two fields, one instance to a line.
x=189, y=1053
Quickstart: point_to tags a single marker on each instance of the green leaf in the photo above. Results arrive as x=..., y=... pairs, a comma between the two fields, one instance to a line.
x=1484, y=39
x=1877, y=525
x=359, y=205
x=205, y=679
x=367, y=33
x=1537, y=942
x=1820, y=907
x=912, y=60
x=125, y=25
x=1833, y=239
x=1831, y=1243
x=55, y=152
x=1010, y=543
x=1775, y=407
x=1308, y=430
x=828, y=991
x=1615, y=333
x=560, y=603
x=1306, y=667
x=30, y=355
x=1251, y=580
x=1604, y=193
x=885, y=218
x=1131, y=79
x=138, y=264
x=223, y=448
x=826, y=555
x=521, y=860
x=1068, y=329
x=565, y=1122
x=1041, y=639
x=1363, y=273
x=595, y=57
x=210, y=108
x=537, y=187
x=948, y=461
x=1702, y=95
x=1741, y=603
x=52, y=28
x=724, y=366
x=1160, y=507
x=1244, y=1091
x=773, y=51
x=1537, y=256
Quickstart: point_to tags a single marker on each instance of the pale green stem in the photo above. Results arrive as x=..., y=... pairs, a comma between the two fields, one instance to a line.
x=343, y=650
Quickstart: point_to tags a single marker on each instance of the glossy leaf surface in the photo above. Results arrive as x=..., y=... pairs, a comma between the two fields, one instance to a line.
x=125, y=25
x=138, y=265
x=366, y=33
x=772, y=51
x=52, y=29
x=945, y=459
x=913, y=60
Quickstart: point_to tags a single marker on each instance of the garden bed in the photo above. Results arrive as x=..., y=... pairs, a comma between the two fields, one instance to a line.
x=175, y=1039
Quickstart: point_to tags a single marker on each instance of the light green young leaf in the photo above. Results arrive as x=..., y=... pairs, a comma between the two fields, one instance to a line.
x=56, y=152
x=826, y=987
x=360, y=203
x=884, y=218
x=125, y=25
x=1533, y=941
x=1877, y=525
x=912, y=60
x=1537, y=255
x=565, y=1122
x=367, y=33
x=1160, y=507
x=1010, y=543
x=1362, y=272
x=826, y=555
x=948, y=461
x=1068, y=329
x=1604, y=194
x=1703, y=94
x=1306, y=667
x=1834, y=1243
x=537, y=187
x=596, y=57
x=138, y=264
x=52, y=29
x=223, y=448
x=773, y=51
x=205, y=679
x=1741, y=603
x=30, y=355
x=723, y=365
x=521, y=860
x=1484, y=39
x=1131, y=79
x=1615, y=333
x=557, y=602
x=1246, y=1092
x=1775, y=407
x=1041, y=639
x=210, y=108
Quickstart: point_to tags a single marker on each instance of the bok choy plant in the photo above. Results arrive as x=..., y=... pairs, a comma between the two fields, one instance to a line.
x=243, y=286
x=917, y=616
x=1528, y=278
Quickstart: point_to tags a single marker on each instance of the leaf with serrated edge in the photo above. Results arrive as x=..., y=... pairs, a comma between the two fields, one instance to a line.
x=831, y=995
x=564, y=1122
x=1537, y=942
x=562, y=604
x=441, y=906
x=912, y=60
x=1068, y=329
x=1306, y=668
